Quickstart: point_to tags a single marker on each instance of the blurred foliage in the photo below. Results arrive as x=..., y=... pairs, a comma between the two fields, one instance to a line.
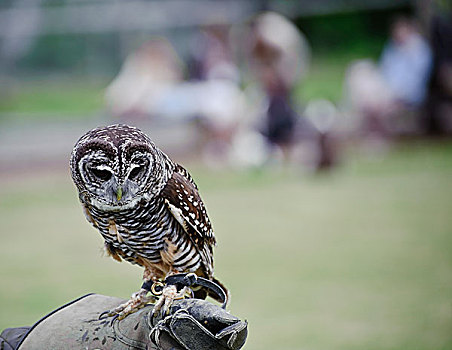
x=356, y=33
x=73, y=53
x=336, y=40
x=353, y=33
x=53, y=52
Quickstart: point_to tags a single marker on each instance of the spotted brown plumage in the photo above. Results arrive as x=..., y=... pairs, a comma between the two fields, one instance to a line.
x=146, y=207
x=185, y=204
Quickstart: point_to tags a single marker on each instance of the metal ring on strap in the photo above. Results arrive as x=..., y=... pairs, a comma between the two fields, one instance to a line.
x=181, y=280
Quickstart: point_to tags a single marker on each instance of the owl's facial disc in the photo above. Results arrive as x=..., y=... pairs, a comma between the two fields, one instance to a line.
x=113, y=186
x=115, y=175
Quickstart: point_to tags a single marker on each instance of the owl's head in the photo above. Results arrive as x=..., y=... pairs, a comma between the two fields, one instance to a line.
x=115, y=166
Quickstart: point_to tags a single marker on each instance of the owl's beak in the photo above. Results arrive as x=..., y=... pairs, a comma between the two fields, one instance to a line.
x=119, y=193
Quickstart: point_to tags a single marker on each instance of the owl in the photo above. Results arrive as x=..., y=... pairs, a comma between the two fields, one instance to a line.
x=146, y=207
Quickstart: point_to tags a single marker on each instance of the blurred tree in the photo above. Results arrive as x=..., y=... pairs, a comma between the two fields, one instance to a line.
x=359, y=33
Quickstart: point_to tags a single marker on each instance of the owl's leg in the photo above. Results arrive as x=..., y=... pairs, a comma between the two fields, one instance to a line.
x=169, y=294
x=166, y=299
x=137, y=301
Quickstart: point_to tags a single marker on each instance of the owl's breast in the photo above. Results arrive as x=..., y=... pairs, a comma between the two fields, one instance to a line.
x=139, y=231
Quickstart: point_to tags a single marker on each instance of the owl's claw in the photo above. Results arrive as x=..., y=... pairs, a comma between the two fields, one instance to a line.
x=115, y=317
x=104, y=315
x=136, y=302
x=169, y=294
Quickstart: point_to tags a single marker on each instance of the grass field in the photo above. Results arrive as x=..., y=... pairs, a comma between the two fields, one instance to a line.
x=358, y=259
x=81, y=98
x=60, y=98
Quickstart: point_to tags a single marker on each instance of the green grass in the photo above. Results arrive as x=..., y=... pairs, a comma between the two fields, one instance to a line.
x=80, y=99
x=324, y=81
x=60, y=98
x=326, y=73
x=358, y=259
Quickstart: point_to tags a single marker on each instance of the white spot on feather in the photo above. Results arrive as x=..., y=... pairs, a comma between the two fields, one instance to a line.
x=177, y=213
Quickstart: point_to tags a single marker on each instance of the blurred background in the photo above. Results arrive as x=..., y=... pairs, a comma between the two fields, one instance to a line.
x=318, y=133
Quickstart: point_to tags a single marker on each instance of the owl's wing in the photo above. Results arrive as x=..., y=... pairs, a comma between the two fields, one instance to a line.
x=88, y=215
x=181, y=170
x=184, y=202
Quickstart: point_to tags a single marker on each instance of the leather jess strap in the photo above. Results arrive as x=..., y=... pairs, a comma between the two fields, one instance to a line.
x=181, y=280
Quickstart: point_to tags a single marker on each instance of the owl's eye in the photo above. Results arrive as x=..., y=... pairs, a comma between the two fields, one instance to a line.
x=101, y=174
x=135, y=172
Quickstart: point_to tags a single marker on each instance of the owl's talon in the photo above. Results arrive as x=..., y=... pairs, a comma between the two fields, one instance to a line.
x=165, y=310
x=110, y=313
x=104, y=315
x=136, y=302
x=169, y=294
x=116, y=317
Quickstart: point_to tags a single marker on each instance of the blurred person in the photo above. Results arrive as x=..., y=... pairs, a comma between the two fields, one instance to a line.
x=323, y=115
x=278, y=59
x=213, y=70
x=366, y=96
x=222, y=109
x=387, y=97
x=439, y=107
x=144, y=77
x=150, y=84
x=211, y=55
x=406, y=63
